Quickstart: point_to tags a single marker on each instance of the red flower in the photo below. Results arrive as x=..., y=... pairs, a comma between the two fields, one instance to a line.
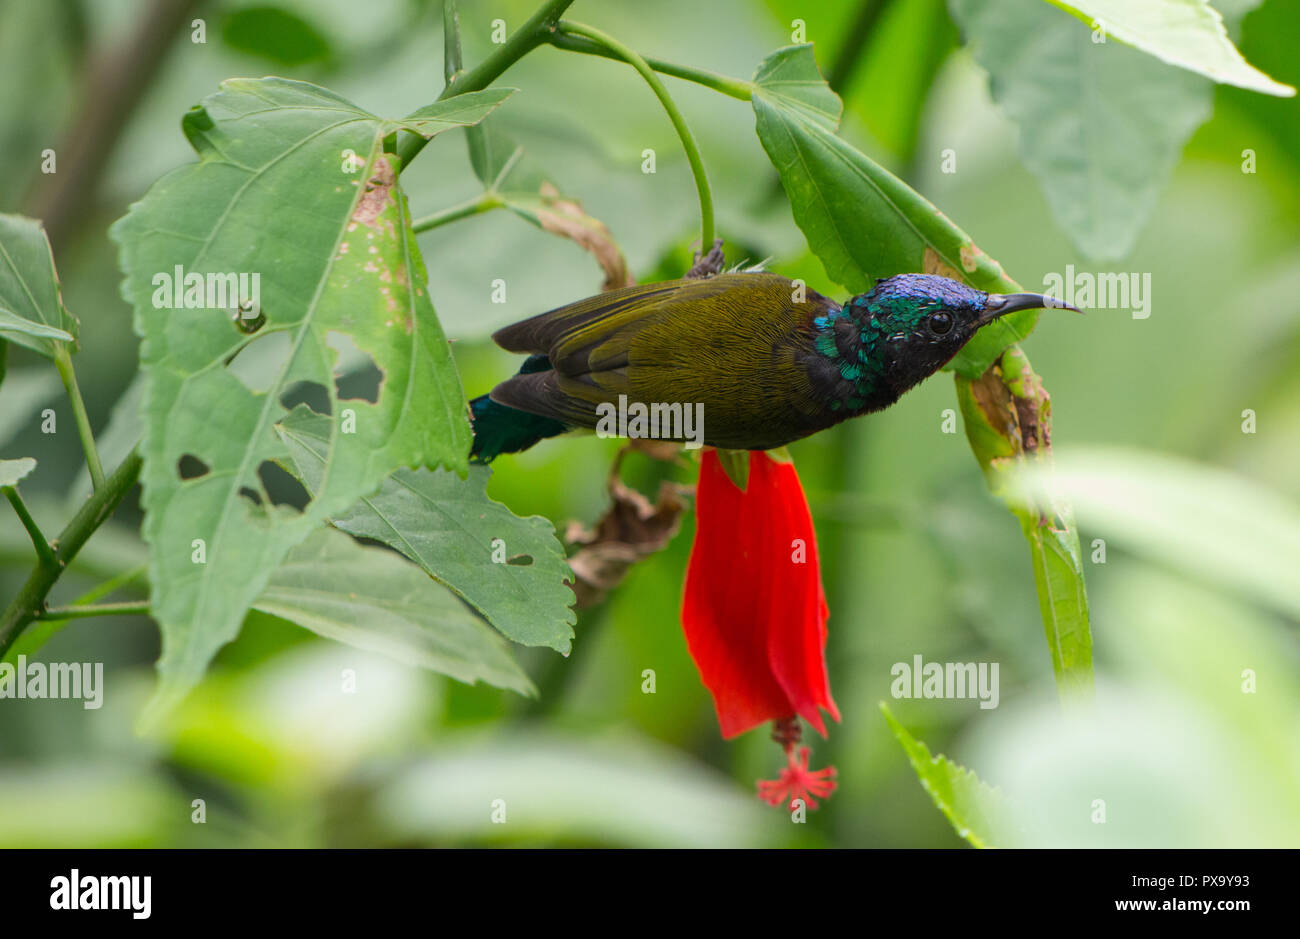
x=796, y=781
x=754, y=609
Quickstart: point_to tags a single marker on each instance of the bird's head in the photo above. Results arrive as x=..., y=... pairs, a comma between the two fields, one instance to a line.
x=913, y=324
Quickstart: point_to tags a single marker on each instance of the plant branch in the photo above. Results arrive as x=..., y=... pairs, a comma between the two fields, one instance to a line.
x=735, y=87
x=63, y=362
x=452, y=63
x=31, y=598
x=43, y=549
x=484, y=202
x=527, y=38
x=674, y=115
x=125, y=608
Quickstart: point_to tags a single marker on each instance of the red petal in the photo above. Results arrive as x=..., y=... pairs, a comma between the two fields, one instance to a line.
x=755, y=621
x=724, y=610
x=797, y=639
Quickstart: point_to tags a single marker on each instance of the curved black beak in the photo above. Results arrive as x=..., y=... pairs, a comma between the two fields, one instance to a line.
x=1000, y=304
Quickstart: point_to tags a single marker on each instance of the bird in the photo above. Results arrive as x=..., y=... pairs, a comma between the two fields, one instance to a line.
x=769, y=360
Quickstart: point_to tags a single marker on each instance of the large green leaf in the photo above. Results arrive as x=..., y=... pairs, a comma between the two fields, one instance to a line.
x=978, y=812
x=293, y=185
x=1186, y=33
x=1218, y=526
x=863, y=222
x=455, y=532
x=31, y=310
x=1101, y=125
x=373, y=599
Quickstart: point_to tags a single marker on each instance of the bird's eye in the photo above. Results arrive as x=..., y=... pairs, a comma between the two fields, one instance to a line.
x=940, y=323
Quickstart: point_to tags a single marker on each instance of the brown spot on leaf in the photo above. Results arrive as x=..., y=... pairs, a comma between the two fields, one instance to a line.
x=378, y=191
x=932, y=263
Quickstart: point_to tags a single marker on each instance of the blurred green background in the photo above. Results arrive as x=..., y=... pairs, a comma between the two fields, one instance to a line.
x=918, y=558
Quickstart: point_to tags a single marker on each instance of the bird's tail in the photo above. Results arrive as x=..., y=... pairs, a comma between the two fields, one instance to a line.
x=500, y=429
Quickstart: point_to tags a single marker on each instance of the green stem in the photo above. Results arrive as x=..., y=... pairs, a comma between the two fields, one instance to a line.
x=527, y=38
x=485, y=202
x=31, y=598
x=32, y=639
x=42, y=544
x=63, y=362
x=679, y=123
x=125, y=608
x=735, y=87
x=452, y=63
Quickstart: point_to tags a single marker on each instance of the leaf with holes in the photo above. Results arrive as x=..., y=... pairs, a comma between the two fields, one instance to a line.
x=290, y=231
x=450, y=527
x=373, y=599
x=31, y=310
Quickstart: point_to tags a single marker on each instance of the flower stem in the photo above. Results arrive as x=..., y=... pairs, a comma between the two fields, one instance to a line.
x=43, y=549
x=125, y=608
x=92, y=514
x=485, y=202
x=527, y=38
x=670, y=106
x=563, y=38
x=63, y=362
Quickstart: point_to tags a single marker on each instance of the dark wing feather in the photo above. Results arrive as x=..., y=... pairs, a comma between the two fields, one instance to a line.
x=540, y=333
x=539, y=393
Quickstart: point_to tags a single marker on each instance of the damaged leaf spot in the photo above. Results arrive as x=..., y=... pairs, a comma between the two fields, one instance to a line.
x=377, y=192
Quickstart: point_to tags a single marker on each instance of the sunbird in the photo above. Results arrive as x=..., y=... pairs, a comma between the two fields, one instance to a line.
x=769, y=360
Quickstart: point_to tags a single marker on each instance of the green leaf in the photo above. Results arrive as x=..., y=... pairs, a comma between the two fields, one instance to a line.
x=293, y=186
x=372, y=599
x=1101, y=126
x=735, y=463
x=1218, y=526
x=11, y=471
x=978, y=812
x=456, y=533
x=790, y=81
x=276, y=34
x=1186, y=33
x=458, y=111
x=31, y=308
x=862, y=221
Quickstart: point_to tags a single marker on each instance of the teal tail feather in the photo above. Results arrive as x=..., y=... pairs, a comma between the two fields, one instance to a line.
x=499, y=429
